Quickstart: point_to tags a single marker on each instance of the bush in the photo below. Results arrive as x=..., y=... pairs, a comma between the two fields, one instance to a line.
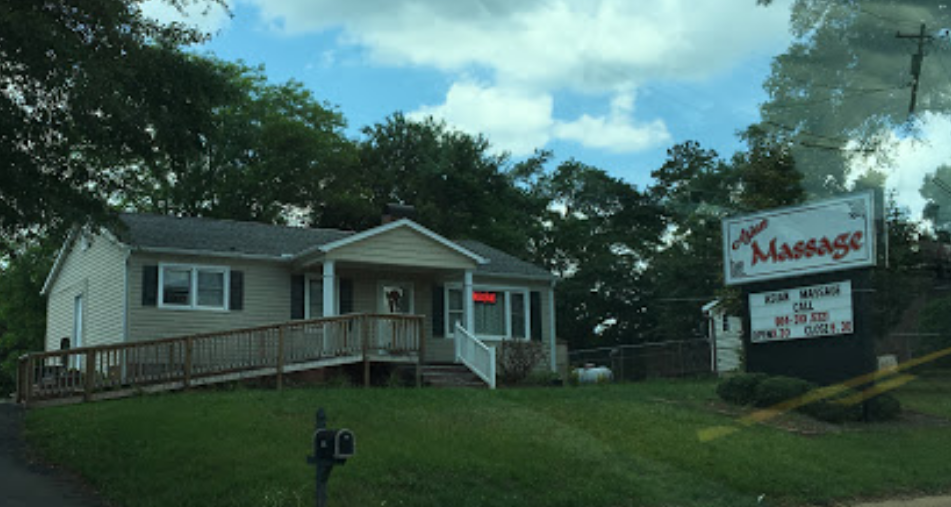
x=517, y=359
x=884, y=407
x=740, y=389
x=774, y=390
x=831, y=412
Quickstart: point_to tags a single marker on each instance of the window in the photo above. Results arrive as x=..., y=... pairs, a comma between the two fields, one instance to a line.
x=518, y=315
x=315, y=298
x=726, y=323
x=454, y=310
x=497, y=312
x=489, y=313
x=195, y=287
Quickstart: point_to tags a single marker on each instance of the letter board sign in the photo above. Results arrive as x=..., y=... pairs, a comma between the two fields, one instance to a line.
x=801, y=312
x=819, y=237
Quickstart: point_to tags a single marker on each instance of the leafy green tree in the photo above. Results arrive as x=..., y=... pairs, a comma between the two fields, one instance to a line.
x=936, y=189
x=598, y=231
x=695, y=189
x=87, y=87
x=22, y=308
x=267, y=149
x=458, y=186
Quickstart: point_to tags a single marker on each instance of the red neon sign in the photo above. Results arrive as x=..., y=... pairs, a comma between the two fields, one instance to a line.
x=484, y=297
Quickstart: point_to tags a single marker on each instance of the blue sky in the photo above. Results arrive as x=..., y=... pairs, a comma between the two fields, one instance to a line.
x=612, y=83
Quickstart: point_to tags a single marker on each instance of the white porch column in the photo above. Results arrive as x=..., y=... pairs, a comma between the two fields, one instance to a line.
x=551, y=327
x=467, y=302
x=330, y=299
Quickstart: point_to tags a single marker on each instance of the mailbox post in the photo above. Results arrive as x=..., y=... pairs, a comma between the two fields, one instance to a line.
x=331, y=447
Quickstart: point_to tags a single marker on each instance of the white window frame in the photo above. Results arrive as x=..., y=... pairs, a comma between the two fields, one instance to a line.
x=381, y=303
x=193, y=289
x=508, y=290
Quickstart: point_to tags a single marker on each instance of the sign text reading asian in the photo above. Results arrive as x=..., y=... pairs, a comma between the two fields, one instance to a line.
x=801, y=312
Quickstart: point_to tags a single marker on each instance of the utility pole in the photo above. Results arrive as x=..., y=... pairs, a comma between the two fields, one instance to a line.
x=916, y=60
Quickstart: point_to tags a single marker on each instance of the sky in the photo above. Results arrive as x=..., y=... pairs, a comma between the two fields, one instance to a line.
x=611, y=83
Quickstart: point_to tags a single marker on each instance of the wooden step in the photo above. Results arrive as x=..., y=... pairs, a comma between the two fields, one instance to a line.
x=450, y=375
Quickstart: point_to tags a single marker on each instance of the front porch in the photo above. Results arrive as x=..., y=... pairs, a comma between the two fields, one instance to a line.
x=404, y=269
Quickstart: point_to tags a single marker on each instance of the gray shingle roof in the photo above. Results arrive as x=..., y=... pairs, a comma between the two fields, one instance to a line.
x=501, y=263
x=222, y=236
x=229, y=237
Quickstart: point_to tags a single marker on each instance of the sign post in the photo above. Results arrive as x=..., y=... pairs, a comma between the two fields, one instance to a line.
x=805, y=276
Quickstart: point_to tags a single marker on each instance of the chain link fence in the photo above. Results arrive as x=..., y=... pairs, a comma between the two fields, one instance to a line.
x=681, y=358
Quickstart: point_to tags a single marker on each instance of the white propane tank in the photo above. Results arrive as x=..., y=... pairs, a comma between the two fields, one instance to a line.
x=591, y=374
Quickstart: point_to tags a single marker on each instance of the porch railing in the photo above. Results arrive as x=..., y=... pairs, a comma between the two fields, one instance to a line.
x=476, y=355
x=183, y=361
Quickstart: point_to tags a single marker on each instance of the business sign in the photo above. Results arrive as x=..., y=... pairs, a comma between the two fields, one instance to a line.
x=484, y=297
x=802, y=312
x=814, y=238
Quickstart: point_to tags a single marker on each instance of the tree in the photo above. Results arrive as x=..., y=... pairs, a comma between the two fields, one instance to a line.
x=458, y=186
x=22, y=308
x=695, y=189
x=266, y=150
x=936, y=189
x=598, y=231
x=844, y=85
x=87, y=87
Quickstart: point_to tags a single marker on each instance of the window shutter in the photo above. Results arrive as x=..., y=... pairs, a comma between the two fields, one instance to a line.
x=149, y=285
x=297, y=296
x=535, y=306
x=236, y=296
x=346, y=296
x=439, y=311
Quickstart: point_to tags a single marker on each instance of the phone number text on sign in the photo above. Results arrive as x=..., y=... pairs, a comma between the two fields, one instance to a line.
x=801, y=312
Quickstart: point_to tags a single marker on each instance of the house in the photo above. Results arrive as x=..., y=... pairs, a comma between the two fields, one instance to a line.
x=169, y=276
x=726, y=338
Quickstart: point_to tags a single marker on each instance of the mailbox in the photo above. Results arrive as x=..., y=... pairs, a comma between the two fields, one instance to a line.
x=345, y=445
x=331, y=447
x=325, y=444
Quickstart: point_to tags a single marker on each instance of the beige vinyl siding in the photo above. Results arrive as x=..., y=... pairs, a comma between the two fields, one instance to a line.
x=98, y=274
x=402, y=246
x=368, y=299
x=267, y=299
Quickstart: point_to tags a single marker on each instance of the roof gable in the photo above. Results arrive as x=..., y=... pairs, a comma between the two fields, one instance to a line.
x=376, y=232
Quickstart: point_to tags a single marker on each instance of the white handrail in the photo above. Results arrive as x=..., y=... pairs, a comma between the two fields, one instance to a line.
x=476, y=355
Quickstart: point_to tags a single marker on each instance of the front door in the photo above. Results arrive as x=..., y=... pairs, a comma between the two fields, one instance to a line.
x=395, y=298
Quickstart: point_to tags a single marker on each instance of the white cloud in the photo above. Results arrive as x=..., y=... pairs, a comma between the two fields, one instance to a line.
x=912, y=160
x=208, y=17
x=513, y=120
x=582, y=44
x=529, y=51
x=519, y=122
x=616, y=132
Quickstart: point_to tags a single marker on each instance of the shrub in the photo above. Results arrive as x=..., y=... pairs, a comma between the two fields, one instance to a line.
x=740, y=389
x=544, y=379
x=778, y=389
x=517, y=359
x=832, y=412
x=884, y=407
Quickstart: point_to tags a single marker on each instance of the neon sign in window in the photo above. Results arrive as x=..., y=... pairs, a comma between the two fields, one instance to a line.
x=484, y=297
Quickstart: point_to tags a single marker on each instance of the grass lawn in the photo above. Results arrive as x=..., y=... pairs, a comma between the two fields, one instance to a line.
x=624, y=445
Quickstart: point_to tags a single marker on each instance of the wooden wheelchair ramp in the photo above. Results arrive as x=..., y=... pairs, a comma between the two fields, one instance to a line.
x=116, y=371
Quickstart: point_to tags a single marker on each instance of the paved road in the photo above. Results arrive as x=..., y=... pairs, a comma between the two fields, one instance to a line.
x=27, y=484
